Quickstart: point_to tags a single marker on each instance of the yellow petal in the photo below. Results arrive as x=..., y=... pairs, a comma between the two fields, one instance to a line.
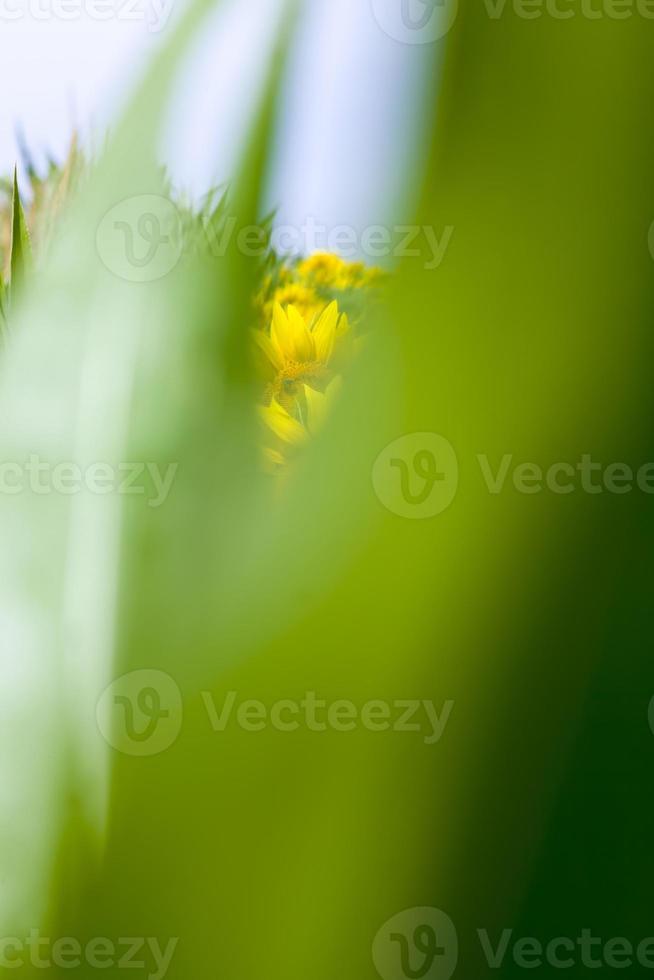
x=324, y=332
x=265, y=344
x=281, y=334
x=319, y=404
x=316, y=409
x=282, y=424
x=302, y=342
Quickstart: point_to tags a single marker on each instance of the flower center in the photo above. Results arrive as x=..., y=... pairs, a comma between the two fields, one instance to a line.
x=288, y=382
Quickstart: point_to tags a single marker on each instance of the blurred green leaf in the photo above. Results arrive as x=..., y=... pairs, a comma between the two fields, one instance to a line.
x=274, y=853
x=3, y=306
x=21, y=248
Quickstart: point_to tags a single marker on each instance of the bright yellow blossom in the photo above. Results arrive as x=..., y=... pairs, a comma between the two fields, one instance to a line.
x=310, y=284
x=299, y=352
x=304, y=341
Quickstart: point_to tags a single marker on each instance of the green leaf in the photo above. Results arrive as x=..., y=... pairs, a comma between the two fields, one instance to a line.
x=21, y=248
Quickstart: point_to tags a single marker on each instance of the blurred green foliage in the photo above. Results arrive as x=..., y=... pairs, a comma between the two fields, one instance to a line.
x=281, y=854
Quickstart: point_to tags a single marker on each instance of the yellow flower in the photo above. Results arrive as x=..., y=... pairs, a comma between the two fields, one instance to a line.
x=318, y=404
x=303, y=344
x=293, y=431
x=326, y=271
x=283, y=425
x=305, y=300
x=299, y=353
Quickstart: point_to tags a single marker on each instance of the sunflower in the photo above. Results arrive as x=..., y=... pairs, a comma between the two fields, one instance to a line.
x=303, y=343
x=301, y=352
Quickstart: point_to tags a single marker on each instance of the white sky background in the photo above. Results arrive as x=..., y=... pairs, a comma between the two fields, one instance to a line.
x=349, y=126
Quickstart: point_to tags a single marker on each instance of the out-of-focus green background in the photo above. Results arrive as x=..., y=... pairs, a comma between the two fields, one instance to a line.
x=281, y=854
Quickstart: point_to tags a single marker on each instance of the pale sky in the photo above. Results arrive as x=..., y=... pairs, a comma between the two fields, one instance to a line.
x=347, y=134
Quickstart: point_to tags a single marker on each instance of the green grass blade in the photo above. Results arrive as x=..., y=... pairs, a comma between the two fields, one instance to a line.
x=21, y=247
